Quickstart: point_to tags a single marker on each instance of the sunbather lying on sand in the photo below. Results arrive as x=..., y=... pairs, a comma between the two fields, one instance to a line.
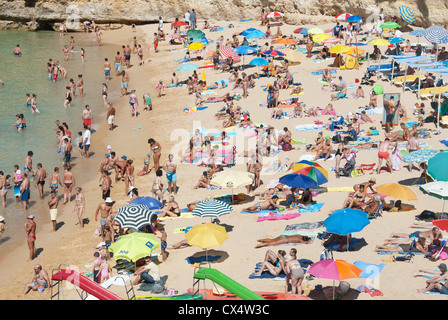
x=420, y=245
x=282, y=239
x=264, y=205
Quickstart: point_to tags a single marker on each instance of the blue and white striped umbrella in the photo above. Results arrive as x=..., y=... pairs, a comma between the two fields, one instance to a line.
x=417, y=33
x=407, y=14
x=211, y=208
x=435, y=34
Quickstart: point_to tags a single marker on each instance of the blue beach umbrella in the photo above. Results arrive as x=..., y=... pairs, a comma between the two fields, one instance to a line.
x=407, y=14
x=187, y=67
x=417, y=33
x=353, y=18
x=396, y=40
x=298, y=181
x=151, y=203
x=253, y=33
x=244, y=50
x=259, y=62
x=346, y=221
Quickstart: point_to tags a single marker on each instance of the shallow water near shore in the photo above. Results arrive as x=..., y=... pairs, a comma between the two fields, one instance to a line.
x=27, y=74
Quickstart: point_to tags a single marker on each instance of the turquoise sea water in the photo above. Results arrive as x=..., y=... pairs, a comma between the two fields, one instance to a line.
x=28, y=74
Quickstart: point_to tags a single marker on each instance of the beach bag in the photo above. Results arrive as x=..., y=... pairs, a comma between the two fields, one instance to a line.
x=337, y=138
x=286, y=147
x=158, y=287
x=326, y=254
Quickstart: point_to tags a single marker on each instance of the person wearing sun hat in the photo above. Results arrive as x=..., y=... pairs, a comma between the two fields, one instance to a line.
x=369, y=184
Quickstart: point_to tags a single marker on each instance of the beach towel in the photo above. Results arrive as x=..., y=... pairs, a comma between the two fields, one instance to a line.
x=310, y=157
x=148, y=286
x=305, y=226
x=311, y=208
x=316, y=73
x=304, y=263
x=308, y=127
x=369, y=270
x=193, y=260
x=273, y=216
x=264, y=212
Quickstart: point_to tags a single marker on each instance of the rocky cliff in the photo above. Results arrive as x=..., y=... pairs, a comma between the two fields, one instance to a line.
x=40, y=14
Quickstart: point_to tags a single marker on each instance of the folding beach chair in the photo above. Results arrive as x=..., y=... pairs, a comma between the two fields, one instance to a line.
x=406, y=256
x=377, y=213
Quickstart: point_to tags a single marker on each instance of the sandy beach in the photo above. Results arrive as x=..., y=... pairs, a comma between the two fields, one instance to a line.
x=170, y=125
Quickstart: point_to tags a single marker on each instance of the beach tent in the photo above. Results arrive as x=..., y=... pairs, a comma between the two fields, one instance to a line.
x=387, y=97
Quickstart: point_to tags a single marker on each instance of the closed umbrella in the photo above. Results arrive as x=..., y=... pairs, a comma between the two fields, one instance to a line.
x=211, y=208
x=298, y=181
x=187, y=67
x=207, y=235
x=134, y=246
x=407, y=14
x=149, y=202
x=437, y=166
x=133, y=216
x=397, y=191
x=334, y=269
x=437, y=189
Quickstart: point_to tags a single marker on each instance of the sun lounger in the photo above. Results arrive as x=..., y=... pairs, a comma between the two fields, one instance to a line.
x=428, y=93
x=398, y=81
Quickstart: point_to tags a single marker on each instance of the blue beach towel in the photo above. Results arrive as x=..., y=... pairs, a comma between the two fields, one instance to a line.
x=369, y=270
x=316, y=73
x=193, y=260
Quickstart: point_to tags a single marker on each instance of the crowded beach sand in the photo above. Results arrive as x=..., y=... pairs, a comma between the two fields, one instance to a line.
x=171, y=126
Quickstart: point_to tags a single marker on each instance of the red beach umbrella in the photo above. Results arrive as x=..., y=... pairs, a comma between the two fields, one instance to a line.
x=441, y=224
x=179, y=24
x=274, y=14
x=226, y=51
x=343, y=16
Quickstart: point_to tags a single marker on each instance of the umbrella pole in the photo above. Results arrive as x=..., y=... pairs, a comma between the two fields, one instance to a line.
x=443, y=206
x=334, y=289
x=438, y=113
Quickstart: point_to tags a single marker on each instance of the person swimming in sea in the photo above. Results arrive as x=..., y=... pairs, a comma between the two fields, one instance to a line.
x=17, y=51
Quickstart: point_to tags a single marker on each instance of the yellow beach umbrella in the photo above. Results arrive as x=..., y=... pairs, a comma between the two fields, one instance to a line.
x=206, y=235
x=354, y=51
x=285, y=41
x=320, y=37
x=339, y=49
x=397, y=191
x=291, y=55
x=379, y=42
x=195, y=46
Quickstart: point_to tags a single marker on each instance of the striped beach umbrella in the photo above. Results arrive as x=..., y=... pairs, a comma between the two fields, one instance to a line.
x=318, y=174
x=227, y=52
x=301, y=31
x=211, y=208
x=343, y=16
x=274, y=14
x=435, y=34
x=273, y=53
x=134, y=216
x=332, y=40
x=407, y=14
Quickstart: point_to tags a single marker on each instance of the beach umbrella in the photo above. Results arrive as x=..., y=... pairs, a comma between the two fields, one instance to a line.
x=259, y=62
x=305, y=164
x=285, y=41
x=187, y=67
x=320, y=37
x=353, y=18
x=334, y=269
x=397, y=191
x=332, y=40
x=320, y=175
x=133, y=216
x=442, y=224
x=207, y=235
x=273, y=53
x=226, y=51
x=149, y=202
x=291, y=55
x=389, y=25
x=134, y=246
x=232, y=179
x=298, y=181
x=253, y=33
x=396, y=40
x=354, y=51
x=379, y=42
x=421, y=155
x=343, y=16
x=211, y=208
x=338, y=49
x=436, y=166
x=435, y=34
x=378, y=89
x=417, y=33
x=301, y=31
x=315, y=30
x=195, y=33
x=346, y=221
x=407, y=14
x=437, y=189
x=243, y=50
x=179, y=24
x=202, y=40
x=195, y=46
x=274, y=14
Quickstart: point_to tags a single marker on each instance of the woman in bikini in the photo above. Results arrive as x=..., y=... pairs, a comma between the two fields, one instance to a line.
x=104, y=94
x=68, y=98
x=34, y=104
x=172, y=209
x=156, y=149
x=68, y=182
x=309, y=47
x=133, y=103
x=80, y=203
x=80, y=85
x=157, y=186
x=18, y=123
x=83, y=54
x=356, y=199
x=282, y=239
x=273, y=263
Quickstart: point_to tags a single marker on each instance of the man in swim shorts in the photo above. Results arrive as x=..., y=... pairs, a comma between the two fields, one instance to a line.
x=170, y=168
x=105, y=208
x=107, y=69
x=383, y=154
x=40, y=279
x=53, y=205
x=118, y=60
x=40, y=179
x=25, y=192
x=124, y=83
x=55, y=180
x=87, y=116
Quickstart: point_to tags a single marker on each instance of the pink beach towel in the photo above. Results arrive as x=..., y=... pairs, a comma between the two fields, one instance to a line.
x=276, y=216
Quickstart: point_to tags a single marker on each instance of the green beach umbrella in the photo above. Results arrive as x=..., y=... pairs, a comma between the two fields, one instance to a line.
x=389, y=25
x=378, y=89
x=195, y=33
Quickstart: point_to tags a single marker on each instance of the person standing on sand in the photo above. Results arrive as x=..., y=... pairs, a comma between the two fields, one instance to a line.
x=106, y=69
x=80, y=205
x=170, y=167
x=124, y=83
x=25, y=192
x=68, y=147
x=105, y=208
x=40, y=180
x=55, y=181
x=87, y=116
x=30, y=229
x=86, y=141
x=53, y=206
x=118, y=59
x=110, y=116
x=129, y=177
x=40, y=279
x=105, y=184
x=156, y=149
x=156, y=42
x=68, y=181
x=383, y=153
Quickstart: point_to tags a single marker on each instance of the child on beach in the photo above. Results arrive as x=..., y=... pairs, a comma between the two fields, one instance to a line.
x=105, y=269
x=96, y=267
x=160, y=87
x=145, y=169
x=163, y=236
x=28, y=100
x=147, y=100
